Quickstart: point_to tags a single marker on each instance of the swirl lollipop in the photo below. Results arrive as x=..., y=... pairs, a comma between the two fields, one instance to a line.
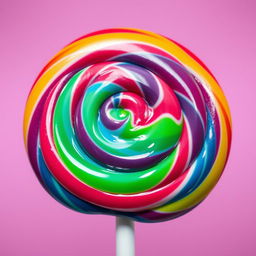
x=127, y=122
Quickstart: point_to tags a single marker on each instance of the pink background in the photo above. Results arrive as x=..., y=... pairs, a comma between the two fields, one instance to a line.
x=221, y=33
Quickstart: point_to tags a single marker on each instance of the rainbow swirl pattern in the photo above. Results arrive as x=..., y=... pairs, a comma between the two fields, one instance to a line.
x=127, y=122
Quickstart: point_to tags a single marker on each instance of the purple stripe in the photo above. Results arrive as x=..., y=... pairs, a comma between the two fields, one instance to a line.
x=157, y=216
x=214, y=115
x=33, y=133
x=154, y=68
x=192, y=84
x=110, y=124
x=148, y=85
x=195, y=126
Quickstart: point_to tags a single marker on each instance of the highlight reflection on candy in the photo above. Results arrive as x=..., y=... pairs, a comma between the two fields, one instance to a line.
x=127, y=122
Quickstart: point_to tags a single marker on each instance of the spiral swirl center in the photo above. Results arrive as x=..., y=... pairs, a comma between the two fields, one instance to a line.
x=121, y=123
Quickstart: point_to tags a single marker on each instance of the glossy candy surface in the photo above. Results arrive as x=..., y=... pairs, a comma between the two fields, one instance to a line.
x=127, y=122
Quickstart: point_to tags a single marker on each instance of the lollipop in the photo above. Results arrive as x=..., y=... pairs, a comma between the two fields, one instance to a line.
x=127, y=122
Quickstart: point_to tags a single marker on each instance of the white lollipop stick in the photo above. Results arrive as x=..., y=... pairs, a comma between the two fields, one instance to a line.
x=125, y=245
